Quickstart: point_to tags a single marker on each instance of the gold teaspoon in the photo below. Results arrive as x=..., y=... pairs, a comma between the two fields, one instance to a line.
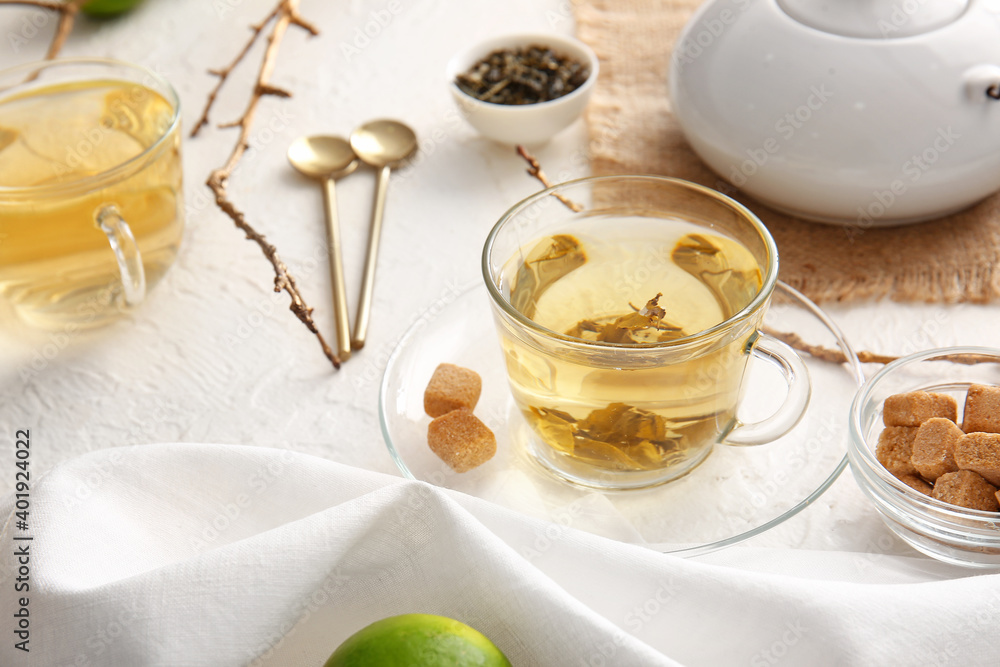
x=383, y=144
x=326, y=159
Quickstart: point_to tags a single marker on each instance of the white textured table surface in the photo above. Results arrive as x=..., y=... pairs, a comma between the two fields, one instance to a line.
x=215, y=356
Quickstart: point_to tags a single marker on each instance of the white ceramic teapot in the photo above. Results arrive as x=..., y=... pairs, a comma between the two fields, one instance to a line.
x=856, y=112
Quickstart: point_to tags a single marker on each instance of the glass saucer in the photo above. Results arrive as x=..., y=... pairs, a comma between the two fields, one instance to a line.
x=738, y=492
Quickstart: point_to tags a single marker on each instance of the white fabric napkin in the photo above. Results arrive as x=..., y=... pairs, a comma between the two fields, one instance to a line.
x=182, y=554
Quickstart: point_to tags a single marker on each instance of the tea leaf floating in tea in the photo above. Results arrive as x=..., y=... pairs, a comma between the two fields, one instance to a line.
x=734, y=286
x=645, y=325
x=652, y=308
x=133, y=115
x=618, y=437
x=550, y=260
x=7, y=137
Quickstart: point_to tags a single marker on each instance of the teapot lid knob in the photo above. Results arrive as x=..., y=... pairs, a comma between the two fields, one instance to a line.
x=875, y=19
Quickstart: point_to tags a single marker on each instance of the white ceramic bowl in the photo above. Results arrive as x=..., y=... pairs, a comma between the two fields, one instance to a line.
x=527, y=123
x=856, y=113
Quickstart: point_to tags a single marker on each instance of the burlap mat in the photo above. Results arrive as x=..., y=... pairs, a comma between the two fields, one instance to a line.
x=632, y=131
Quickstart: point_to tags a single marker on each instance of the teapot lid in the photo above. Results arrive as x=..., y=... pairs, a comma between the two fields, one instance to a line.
x=875, y=19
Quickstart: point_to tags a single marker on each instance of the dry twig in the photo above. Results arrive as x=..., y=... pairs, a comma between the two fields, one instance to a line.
x=535, y=171
x=865, y=357
x=285, y=14
x=67, y=17
x=825, y=353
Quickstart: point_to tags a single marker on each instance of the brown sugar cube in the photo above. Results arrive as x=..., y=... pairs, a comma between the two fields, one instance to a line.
x=982, y=410
x=451, y=387
x=916, y=407
x=917, y=483
x=934, y=447
x=966, y=489
x=980, y=452
x=461, y=440
x=894, y=449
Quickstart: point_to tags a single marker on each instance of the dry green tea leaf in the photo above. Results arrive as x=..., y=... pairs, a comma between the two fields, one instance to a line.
x=524, y=75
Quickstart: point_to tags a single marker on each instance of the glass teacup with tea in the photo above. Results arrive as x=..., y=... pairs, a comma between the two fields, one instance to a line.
x=91, y=208
x=627, y=326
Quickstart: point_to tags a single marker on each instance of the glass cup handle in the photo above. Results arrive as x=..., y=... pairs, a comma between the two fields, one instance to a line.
x=119, y=234
x=796, y=375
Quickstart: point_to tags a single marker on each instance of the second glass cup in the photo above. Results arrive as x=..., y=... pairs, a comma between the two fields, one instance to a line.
x=91, y=199
x=627, y=326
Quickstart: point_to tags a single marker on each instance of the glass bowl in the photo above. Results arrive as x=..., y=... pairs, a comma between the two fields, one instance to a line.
x=946, y=532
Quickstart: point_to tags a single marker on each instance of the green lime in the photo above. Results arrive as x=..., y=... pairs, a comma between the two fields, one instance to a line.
x=417, y=640
x=108, y=7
